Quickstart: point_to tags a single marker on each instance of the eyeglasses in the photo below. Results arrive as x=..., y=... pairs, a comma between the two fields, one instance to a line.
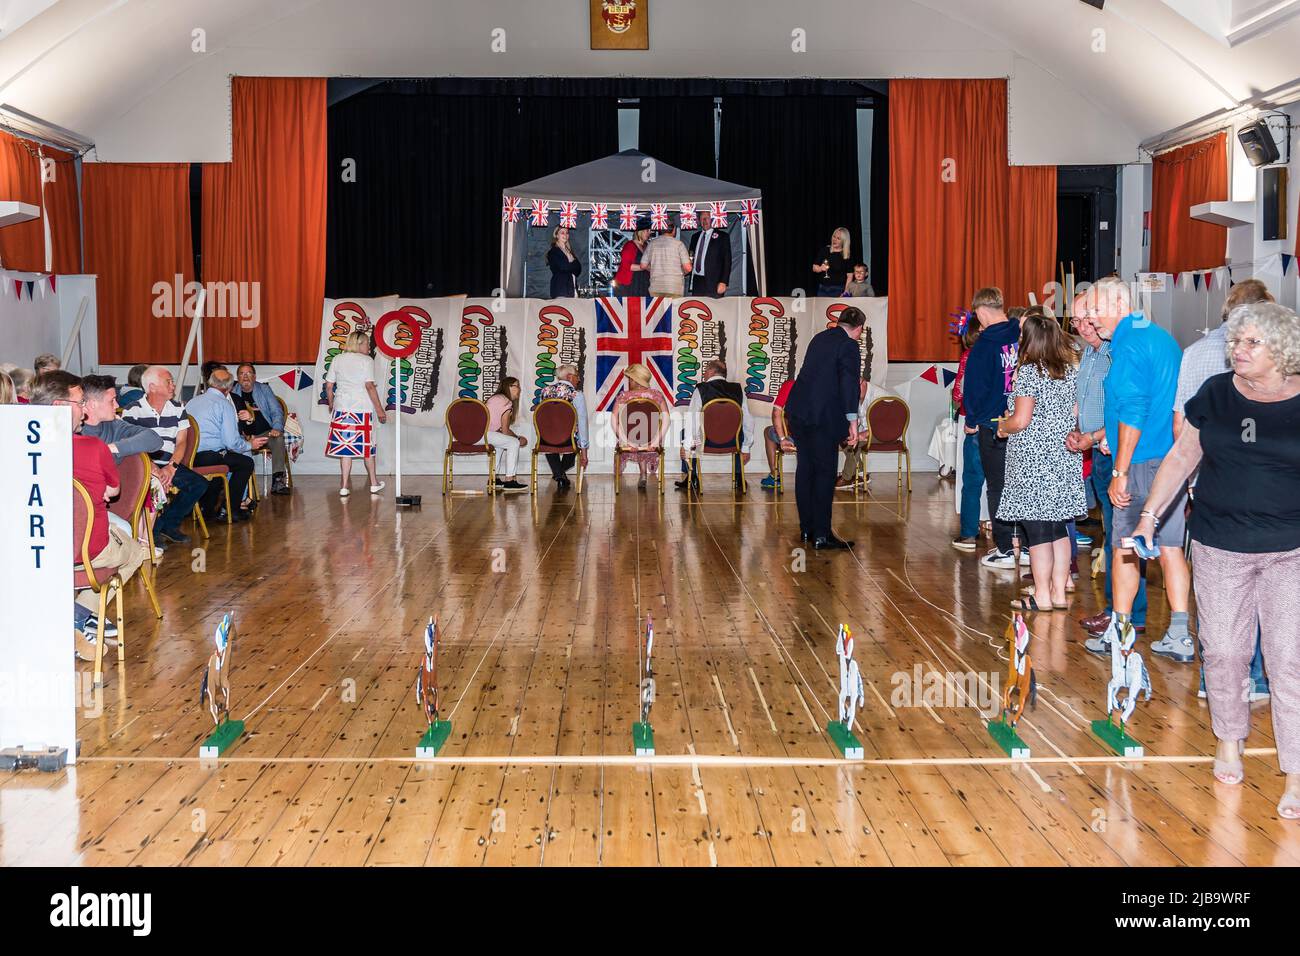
x=1249, y=345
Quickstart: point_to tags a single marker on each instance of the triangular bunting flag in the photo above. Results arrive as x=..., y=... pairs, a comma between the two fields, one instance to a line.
x=1286, y=263
x=18, y=289
x=31, y=286
x=53, y=287
x=304, y=381
x=948, y=377
x=1209, y=281
x=290, y=378
x=931, y=374
x=1196, y=281
x=1177, y=276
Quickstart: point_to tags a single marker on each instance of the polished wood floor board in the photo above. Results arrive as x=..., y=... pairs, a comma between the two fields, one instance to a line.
x=542, y=605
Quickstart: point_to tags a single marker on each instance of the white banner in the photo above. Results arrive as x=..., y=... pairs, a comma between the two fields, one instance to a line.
x=559, y=332
x=484, y=346
x=38, y=695
x=340, y=318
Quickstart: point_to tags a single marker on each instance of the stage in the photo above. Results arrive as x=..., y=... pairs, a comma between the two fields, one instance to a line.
x=540, y=604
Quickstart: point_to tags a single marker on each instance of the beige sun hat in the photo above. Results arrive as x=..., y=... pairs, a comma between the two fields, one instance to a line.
x=639, y=374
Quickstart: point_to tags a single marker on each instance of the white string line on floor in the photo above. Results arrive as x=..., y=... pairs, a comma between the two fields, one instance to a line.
x=401, y=570
x=510, y=613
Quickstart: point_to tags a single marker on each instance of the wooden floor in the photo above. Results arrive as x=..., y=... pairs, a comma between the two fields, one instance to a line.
x=541, y=608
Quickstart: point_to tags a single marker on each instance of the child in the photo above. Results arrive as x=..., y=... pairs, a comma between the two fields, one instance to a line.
x=972, y=476
x=858, y=284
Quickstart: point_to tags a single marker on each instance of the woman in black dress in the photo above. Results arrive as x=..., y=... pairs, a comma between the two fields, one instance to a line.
x=834, y=264
x=565, y=267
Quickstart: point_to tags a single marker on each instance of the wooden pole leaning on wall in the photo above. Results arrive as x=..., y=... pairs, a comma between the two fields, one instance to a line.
x=74, y=338
x=193, y=339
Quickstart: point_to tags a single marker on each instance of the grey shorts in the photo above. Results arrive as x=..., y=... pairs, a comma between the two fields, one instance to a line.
x=1125, y=521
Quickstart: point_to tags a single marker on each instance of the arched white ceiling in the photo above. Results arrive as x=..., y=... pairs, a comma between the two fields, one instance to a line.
x=125, y=74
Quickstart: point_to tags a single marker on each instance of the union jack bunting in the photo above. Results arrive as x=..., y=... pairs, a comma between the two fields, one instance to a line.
x=600, y=215
x=627, y=215
x=686, y=215
x=749, y=211
x=628, y=331
x=540, y=213
x=510, y=209
x=569, y=215
x=659, y=215
x=718, y=211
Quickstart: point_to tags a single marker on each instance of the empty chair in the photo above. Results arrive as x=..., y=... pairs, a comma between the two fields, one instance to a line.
x=467, y=425
x=887, y=420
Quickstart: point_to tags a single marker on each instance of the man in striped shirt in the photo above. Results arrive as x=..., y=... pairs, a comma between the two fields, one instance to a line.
x=159, y=412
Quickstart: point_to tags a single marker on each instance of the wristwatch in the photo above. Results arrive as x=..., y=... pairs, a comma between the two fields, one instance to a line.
x=1116, y=473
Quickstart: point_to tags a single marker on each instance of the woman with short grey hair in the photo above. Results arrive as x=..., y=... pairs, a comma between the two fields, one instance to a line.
x=1243, y=430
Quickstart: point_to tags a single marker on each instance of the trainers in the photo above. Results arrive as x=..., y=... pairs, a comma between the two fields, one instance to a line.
x=1004, y=560
x=1180, y=649
x=1259, y=693
x=344, y=492
x=845, y=484
x=1024, y=558
x=91, y=630
x=1099, y=643
x=376, y=489
x=1083, y=541
x=963, y=544
x=511, y=485
x=769, y=483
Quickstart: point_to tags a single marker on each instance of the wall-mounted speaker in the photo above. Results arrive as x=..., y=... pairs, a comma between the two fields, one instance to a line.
x=1273, y=203
x=1257, y=141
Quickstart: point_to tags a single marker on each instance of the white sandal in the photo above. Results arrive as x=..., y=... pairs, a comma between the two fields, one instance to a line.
x=376, y=489
x=343, y=492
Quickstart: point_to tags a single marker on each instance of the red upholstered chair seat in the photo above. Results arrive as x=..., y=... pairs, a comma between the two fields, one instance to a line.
x=213, y=470
x=465, y=448
x=567, y=449
x=895, y=445
x=81, y=580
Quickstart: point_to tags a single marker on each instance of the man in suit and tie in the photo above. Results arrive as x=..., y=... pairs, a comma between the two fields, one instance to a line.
x=710, y=260
x=822, y=409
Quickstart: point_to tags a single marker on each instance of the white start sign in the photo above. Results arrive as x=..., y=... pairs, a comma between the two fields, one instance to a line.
x=37, y=669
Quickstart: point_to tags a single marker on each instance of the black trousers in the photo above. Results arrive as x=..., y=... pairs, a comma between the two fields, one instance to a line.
x=560, y=464
x=241, y=469
x=993, y=458
x=817, y=458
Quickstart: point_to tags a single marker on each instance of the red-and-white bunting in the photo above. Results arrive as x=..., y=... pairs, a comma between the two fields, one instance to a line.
x=600, y=215
x=540, y=214
x=627, y=215
x=686, y=216
x=749, y=211
x=569, y=215
x=718, y=213
x=659, y=215
x=688, y=213
x=510, y=209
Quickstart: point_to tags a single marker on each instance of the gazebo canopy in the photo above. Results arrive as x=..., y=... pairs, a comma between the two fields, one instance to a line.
x=622, y=179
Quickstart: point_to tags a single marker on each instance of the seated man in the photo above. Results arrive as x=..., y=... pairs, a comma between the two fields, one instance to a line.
x=221, y=444
x=166, y=418
x=123, y=438
x=93, y=466
x=133, y=391
x=566, y=388
x=777, y=434
x=714, y=385
x=260, y=413
x=848, y=479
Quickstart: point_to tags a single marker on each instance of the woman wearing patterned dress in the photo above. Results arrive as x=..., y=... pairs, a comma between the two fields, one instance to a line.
x=351, y=393
x=1044, y=479
x=635, y=441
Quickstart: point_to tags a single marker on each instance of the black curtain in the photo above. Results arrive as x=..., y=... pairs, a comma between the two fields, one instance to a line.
x=423, y=217
x=880, y=195
x=802, y=152
x=678, y=130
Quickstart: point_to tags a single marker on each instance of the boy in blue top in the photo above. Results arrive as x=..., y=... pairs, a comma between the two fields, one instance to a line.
x=1139, y=420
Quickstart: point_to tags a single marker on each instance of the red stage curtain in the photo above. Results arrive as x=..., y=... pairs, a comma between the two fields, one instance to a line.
x=1181, y=178
x=264, y=221
x=63, y=209
x=137, y=225
x=22, y=247
x=1031, y=238
x=947, y=207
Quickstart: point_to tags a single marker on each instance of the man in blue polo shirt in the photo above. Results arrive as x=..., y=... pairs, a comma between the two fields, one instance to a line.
x=1139, y=421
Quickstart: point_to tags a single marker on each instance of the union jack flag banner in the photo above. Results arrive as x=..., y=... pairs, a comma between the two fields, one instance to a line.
x=510, y=209
x=718, y=211
x=749, y=211
x=627, y=215
x=600, y=215
x=686, y=215
x=659, y=215
x=540, y=213
x=629, y=331
x=569, y=215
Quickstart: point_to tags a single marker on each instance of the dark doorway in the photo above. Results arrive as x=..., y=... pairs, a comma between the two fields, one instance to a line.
x=1074, y=247
x=1086, y=207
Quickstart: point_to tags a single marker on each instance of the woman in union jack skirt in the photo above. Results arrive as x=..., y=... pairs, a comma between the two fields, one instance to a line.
x=351, y=393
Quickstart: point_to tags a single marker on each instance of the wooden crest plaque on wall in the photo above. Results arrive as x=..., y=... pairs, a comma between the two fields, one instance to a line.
x=620, y=24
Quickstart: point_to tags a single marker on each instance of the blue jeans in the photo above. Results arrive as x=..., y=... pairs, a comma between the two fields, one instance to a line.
x=972, y=486
x=1102, y=466
x=190, y=489
x=80, y=615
